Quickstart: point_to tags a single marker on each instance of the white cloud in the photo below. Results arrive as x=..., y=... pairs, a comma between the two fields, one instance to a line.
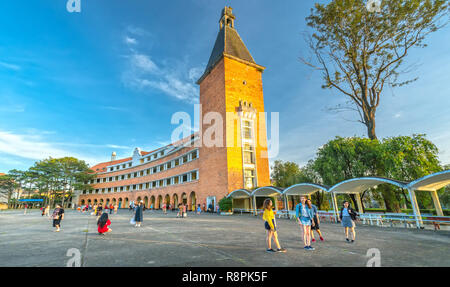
x=10, y=66
x=33, y=146
x=130, y=41
x=143, y=73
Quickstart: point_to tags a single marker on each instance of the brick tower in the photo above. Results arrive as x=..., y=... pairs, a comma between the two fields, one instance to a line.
x=232, y=87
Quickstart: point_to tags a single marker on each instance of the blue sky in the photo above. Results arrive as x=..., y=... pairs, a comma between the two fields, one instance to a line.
x=110, y=78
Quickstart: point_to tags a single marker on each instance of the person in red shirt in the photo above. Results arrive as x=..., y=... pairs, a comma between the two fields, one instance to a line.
x=103, y=223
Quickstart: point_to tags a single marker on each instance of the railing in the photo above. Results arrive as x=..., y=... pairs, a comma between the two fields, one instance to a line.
x=378, y=219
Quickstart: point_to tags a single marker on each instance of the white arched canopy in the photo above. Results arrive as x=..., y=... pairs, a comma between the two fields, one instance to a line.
x=240, y=193
x=241, y=199
x=431, y=182
x=358, y=185
x=267, y=191
x=305, y=189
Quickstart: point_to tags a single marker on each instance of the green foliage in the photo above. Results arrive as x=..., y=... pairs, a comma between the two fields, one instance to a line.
x=225, y=204
x=403, y=158
x=55, y=179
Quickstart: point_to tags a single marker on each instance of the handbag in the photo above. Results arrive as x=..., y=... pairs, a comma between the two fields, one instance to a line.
x=132, y=221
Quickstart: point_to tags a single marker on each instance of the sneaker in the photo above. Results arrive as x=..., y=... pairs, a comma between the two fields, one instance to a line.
x=282, y=250
x=270, y=250
x=311, y=248
x=321, y=238
x=348, y=240
x=313, y=240
x=353, y=240
x=306, y=247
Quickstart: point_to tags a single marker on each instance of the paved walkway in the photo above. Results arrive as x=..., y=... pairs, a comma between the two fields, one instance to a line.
x=205, y=240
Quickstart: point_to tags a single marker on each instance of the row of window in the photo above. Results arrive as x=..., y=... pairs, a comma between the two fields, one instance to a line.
x=174, y=180
x=162, y=167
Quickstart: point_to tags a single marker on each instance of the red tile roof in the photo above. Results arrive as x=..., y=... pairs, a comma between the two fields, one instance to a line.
x=101, y=167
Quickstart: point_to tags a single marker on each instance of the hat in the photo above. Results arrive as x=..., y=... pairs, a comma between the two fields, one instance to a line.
x=142, y=201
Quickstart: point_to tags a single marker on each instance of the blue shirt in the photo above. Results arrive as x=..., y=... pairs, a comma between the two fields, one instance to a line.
x=345, y=212
x=299, y=208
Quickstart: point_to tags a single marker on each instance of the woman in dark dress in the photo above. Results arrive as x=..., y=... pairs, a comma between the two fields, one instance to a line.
x=139, y=215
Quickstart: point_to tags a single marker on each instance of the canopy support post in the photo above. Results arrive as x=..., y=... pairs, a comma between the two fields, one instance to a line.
x=359, y=203
x=254, y=206
x=415, y=207
x=437, y=203
x=335, y=207
x=286, y=206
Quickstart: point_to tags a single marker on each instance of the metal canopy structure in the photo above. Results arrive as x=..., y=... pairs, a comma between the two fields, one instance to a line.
x=305, y=189
x=358, y=185
x=431, y=183
x=267, y=191
x=240, y=194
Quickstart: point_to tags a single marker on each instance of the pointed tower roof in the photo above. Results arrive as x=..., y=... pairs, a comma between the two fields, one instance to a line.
x=228, y=43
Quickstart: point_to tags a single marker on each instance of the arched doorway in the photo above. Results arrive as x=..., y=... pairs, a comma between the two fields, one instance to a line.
x=175, y=200
x=159, y=202
x=114, y=201
x=120, y=202
x=167, y=199
x=82, y=202
x=192, y=201
x=146, y=202
x=152, y=202
x=184, y=198
x=95, y=201
x=126, y=203
x=138, y=200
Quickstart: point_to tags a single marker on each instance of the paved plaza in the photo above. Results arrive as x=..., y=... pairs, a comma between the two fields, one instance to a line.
x=205, y=240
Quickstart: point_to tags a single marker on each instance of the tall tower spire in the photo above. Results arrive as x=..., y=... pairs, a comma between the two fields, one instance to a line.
x=227, y=18
x=228, y=43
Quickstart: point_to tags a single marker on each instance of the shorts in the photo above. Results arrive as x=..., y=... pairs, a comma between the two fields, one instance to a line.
x=267, y=225
x=347, y=222
x=305, y=220
x=316, y=224
x=56, y=222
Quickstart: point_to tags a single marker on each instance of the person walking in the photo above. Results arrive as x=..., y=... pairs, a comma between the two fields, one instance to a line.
x=316, y=221
x=139, y=214
x=165, y=208
x=58, y=216
x=199, y=210
x=47, y=211
x=115, y=208
x=348, y=216
x=111, y=208
x=304, y=217
x=271, y=227
x=103, y=224
x=184, y=210
x=25, y=209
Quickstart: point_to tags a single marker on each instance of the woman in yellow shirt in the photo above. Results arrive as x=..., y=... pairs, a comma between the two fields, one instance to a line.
x=271, y=227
